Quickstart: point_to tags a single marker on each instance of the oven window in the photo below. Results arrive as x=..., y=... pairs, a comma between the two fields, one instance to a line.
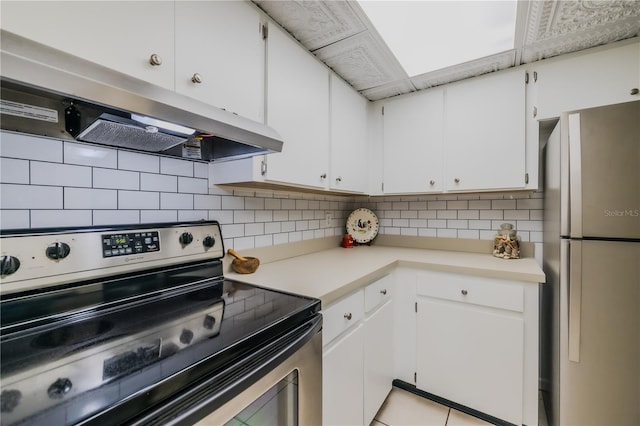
x=277, y=406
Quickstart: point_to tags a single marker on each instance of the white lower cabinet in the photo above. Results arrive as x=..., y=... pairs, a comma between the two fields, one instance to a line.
x=357, y=358
x=342, y=377
x=476, y=343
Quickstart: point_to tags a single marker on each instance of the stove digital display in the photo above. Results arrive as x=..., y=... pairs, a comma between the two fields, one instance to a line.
x=130, y=243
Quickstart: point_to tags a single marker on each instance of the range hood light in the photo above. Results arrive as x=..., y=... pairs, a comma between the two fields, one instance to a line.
x=153, y=122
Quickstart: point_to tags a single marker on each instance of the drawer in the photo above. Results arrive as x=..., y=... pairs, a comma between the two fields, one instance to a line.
x=341, y=315
x=495, y=293
x=378, y=292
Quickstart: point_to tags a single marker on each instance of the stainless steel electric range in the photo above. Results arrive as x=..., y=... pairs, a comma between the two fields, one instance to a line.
x=137, y=325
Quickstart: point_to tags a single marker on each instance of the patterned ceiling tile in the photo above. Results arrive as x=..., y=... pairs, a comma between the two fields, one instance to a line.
x=362, y=61
x=388, y=90
x=550, y=19
x=469, y=69
x=314, y=23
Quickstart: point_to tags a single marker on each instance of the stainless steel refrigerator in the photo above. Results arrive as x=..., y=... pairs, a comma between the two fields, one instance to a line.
x=590, y=305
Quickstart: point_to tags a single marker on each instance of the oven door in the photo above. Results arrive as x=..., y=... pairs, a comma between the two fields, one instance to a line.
x=280, y=383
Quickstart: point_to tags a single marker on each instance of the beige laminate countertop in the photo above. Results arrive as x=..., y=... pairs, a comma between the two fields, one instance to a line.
x=333, y=273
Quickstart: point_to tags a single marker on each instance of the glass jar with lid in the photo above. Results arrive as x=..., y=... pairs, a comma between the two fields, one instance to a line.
x=505, y=243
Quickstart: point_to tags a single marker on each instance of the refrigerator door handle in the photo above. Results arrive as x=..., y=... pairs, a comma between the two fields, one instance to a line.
x=575, y=176
x=575, y=299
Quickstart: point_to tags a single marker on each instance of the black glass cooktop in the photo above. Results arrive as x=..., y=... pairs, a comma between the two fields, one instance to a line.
x=68, y=329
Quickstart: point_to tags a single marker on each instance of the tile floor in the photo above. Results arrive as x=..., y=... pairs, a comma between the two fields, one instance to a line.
x=402, y=408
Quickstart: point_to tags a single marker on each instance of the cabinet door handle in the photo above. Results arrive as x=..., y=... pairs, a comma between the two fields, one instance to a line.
x=197, y=78
x=464, y=292
x=383, y=291
x=339, y=179
x=348, y=316
x=155, y=59
x=432, y=182
x=457, y=180
x=323, y=176
x=635, y=91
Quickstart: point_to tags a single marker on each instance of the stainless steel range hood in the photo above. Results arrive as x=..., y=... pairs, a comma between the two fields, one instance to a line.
x=51, y=93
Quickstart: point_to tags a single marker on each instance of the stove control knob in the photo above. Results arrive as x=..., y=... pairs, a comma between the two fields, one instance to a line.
x=208, y=241
x=59, y=388
x=209, y=322
x=9, y=400
x=186, y=336
x=186, y=238
x=58, y=250
x=9, y=265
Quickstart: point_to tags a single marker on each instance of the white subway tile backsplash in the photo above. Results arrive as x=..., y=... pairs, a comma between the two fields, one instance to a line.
x=14, y=171
x=281, y=215
x=138, y=162
x=89, y=155
x=116, y=217
x=503, y=204
x=272, y=228
x=86, y=198
x=128, y=187
x=263, y=216
x=56, y=174
x=157, y=216
x=243, y=216
x=140, y=200
x=480, y=204
x=272, y=204
x=30, y=197
x=254, y=229
x=192, y=185
x=115, y=179
x=254, y=203
x=173, y=201
x=491, y=214
x=447, y=233
x=174, y=166
x=60, y=218
x=26, y=147
x=192, y=215
x=160, y=183
x=15, y=219
x=201, y=170
x=229, y=202
x=206, y=202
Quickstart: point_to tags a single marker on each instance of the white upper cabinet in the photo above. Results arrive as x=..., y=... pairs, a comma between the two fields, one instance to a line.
x=124, y=36
x=601, y=76
x=485, y=132
x=413, y=143
x=220, y=55
x=348, y=138
x=298, y=109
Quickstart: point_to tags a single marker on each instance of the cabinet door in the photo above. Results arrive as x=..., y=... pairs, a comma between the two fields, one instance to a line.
x=342, y=376
x=598, y=77
x=378, y=360
x=413, y=138
x=222, y=43
x=298, y=109
x=471, y=355
x=348, y=138
x=119, y=35
x=485, y=132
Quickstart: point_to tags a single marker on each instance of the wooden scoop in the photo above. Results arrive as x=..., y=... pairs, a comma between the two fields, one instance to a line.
x=243, y=265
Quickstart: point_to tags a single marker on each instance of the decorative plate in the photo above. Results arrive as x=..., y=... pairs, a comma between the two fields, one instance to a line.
x=362, y=225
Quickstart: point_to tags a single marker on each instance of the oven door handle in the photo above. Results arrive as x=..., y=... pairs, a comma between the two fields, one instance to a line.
x=219, y=388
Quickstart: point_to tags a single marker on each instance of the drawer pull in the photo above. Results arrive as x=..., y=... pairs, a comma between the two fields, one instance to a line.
x=383, y=291
x=348, y=316
x=464, y=292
